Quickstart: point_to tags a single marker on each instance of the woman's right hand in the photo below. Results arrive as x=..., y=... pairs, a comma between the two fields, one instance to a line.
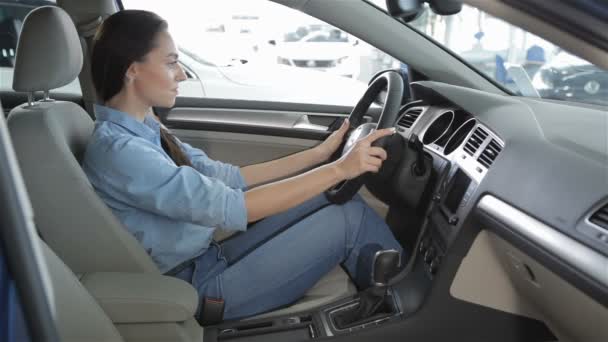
x=363, y=157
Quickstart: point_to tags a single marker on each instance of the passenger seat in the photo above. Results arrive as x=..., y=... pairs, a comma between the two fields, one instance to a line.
x=78, y=317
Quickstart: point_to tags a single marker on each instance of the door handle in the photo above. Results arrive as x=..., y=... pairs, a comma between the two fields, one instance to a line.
x=304, y=123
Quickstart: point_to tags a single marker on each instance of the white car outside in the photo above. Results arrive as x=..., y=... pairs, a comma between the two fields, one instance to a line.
x=331, y=51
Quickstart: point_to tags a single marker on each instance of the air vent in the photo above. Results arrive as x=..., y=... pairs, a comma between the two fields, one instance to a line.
x=408, y=119
x=486, y=158
x=600, y=218
x=475, y=141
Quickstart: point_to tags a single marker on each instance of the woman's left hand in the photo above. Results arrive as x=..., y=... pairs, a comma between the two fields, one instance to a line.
x=331, y=144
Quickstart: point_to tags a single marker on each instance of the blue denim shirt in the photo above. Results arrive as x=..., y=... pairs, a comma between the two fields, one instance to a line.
x=172, y=211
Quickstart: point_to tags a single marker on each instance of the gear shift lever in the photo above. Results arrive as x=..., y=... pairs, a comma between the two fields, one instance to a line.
x=372, y=301
x=386, y=265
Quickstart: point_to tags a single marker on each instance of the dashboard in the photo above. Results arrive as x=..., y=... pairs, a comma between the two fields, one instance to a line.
x=462, y=150
x=546, y=160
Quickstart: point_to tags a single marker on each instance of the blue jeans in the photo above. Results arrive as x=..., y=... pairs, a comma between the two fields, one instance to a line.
x=281, y=257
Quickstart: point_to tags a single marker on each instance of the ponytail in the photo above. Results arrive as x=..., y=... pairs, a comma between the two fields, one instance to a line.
x=172, y=148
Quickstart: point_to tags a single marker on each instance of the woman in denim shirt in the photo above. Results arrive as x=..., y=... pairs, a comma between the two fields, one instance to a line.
x=172, y=197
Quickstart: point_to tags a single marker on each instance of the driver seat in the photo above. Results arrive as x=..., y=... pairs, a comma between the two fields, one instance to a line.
x=50, y=138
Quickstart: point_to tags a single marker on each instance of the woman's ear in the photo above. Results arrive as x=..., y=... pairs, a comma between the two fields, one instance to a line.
x=131, y=73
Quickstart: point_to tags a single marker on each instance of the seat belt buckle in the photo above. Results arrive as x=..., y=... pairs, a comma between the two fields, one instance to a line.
x=212, y=311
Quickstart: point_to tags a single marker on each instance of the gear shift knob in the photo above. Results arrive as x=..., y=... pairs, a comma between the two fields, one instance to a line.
x=374, y=300
x=386, y=265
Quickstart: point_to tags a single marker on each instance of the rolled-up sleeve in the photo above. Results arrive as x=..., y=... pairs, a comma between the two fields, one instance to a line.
x=228, y=173
x=142, y=177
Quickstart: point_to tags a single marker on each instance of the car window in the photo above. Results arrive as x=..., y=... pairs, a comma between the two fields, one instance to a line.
x=261, y=50
x=519, y=60
x=12, y=14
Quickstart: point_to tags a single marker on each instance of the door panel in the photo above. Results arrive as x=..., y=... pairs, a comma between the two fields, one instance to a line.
x=249, y=132
x=294, y=120
x=243, y=119
x=242, y=148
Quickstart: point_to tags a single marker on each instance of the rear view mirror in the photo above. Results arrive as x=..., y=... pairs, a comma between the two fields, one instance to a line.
x=445, y=7
x=409, y=10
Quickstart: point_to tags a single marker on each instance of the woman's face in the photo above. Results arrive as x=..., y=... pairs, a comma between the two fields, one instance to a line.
x=155, y=79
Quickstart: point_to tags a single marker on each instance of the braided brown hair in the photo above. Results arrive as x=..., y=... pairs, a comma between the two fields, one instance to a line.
x=170, y=145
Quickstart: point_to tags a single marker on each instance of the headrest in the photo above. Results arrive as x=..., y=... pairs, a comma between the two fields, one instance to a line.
x=49, y=54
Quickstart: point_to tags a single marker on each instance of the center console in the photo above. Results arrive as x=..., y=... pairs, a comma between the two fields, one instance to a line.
x=450, y=208
x=375, y=305
x=305, y=326
x=463, y=171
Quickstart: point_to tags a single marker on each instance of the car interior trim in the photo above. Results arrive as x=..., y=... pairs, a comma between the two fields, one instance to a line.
x=574, y=253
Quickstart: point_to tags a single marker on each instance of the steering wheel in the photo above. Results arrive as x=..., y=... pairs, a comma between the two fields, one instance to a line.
x=393, y=83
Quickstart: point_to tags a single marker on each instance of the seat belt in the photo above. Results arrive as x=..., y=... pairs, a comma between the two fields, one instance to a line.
x=87, y=31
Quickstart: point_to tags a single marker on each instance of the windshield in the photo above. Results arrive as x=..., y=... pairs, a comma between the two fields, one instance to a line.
x=519, y=60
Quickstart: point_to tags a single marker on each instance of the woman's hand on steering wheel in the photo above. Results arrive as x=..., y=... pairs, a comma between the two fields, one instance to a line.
x=363, y=157
x=328, y=147
x=358, y=157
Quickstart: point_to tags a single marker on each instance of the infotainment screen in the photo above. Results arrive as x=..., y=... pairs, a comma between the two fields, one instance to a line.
x=459, y=185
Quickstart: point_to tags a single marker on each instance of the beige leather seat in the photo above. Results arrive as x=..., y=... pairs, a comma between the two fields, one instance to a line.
x=110, y=306
x=50, y=137
x=101, y=306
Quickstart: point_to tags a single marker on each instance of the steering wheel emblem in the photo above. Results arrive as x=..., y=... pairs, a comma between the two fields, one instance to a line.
x=358, y=134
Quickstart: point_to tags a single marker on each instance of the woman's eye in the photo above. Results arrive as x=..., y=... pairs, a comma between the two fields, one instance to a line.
x=173, y=64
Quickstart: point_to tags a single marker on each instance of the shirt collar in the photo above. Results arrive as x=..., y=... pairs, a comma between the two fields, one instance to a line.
x=149, y=129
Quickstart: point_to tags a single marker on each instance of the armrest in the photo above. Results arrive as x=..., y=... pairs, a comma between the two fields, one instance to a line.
x=142, y=297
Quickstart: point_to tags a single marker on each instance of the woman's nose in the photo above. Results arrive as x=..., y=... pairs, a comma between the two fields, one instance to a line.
x=181, y=74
